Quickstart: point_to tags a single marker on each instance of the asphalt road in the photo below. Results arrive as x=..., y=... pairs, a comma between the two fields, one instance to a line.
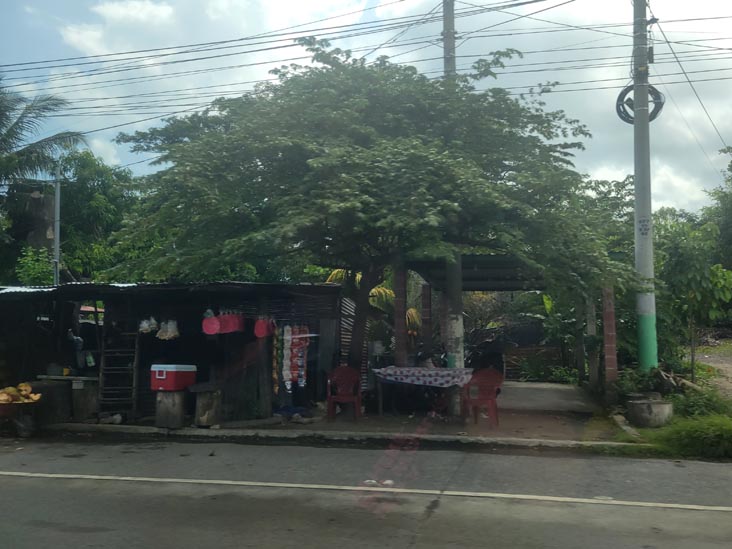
x=225, y=495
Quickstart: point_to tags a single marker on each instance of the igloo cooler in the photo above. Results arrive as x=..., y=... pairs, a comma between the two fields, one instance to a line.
x=172, y=377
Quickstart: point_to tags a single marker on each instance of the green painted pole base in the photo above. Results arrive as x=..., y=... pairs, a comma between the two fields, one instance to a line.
x=647, y=343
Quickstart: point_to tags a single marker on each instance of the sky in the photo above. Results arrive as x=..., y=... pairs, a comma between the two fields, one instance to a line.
x=585, y=45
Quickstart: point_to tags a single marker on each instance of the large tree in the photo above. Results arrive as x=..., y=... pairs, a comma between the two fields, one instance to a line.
x=23, y=160
x=357, y=166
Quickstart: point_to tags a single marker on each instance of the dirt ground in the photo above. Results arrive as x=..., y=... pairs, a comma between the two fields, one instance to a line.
x=512, y=425
x=720, y=357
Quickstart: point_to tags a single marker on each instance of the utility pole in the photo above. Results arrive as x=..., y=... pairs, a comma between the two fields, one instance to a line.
x=448, y=37
x=57, y=226
x=645, y=300
x=453, y=269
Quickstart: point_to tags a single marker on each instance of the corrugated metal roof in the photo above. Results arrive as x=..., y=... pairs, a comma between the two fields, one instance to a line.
x=88, y=290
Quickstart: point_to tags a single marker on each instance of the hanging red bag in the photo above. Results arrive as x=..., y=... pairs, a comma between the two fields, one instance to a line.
x=211, y=325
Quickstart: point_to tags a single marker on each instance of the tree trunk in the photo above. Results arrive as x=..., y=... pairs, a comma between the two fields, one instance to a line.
x=358, y=337
x=609, y=336
x=579, y=339
x=400, y=314
x=593, y=353
x=692, y=340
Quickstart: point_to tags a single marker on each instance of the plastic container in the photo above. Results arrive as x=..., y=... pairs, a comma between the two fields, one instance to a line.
x=172, y=377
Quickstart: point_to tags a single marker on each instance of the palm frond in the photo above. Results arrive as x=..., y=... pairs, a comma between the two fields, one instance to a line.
x=29, y=116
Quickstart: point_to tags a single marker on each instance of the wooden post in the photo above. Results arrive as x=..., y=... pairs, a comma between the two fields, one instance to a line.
x=170, y=409
x=400, y=314
x=264, y=368
x=609, y=336
x=593, y=353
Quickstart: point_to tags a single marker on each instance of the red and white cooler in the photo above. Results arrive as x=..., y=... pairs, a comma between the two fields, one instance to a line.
x=172, y=377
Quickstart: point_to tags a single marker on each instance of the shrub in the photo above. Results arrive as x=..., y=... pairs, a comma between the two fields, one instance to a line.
x=537, y=369
x=704, y=372
x=633, y=381
x=700, y=403
x=709, y=437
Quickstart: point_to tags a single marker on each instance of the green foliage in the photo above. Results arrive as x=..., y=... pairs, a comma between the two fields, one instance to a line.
x=21, y=119
x=707, y=437
x=23, y=159
x=538, y=369
x=95, y=199
x=347, y=164
x=631, y=380
x=700, y=403
x=704, y=372
x=35, y=267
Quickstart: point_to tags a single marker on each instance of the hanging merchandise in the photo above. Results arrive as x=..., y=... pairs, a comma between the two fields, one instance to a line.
x=168, y=330
x=301, y=353
x=264, y=327
x=148, y=326
x=275, y=362
x=210, y=324
x=287, y=358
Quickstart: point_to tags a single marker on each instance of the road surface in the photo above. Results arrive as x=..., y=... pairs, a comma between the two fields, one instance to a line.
x=70, y=494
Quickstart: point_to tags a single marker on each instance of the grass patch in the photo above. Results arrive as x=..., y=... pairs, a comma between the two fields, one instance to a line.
x=723, y=350
x=705, y=437
x=622, y=436
x=696, y=404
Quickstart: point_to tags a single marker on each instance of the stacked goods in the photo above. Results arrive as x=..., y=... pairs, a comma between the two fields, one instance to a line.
x=21, y=394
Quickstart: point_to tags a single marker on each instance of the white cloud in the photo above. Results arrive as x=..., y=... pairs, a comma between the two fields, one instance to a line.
x=135, y=11
x=106, y=149
x=399, y=8
x=85, y=38
x=222, y=9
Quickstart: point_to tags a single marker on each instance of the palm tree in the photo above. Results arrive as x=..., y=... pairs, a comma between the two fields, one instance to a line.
x=22, y=158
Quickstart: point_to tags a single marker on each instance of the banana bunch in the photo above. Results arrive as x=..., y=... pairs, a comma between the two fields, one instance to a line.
x=23, y=393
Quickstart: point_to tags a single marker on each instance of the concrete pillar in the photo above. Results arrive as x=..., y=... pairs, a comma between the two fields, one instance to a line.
x=400, y=315
x=426, y=331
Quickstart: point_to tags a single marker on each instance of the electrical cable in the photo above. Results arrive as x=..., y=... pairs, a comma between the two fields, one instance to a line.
x=688, y=79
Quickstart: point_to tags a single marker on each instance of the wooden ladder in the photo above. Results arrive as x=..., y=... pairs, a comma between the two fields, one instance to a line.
x=118, y=373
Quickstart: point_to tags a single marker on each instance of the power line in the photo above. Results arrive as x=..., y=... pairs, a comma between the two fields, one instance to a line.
x=688, y=126
x=403, y=32
x=150, y=50
x=691, y=84
x=512, y=20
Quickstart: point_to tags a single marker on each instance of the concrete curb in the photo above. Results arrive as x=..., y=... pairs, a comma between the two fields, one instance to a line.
x=323, y=436
x=621, y=422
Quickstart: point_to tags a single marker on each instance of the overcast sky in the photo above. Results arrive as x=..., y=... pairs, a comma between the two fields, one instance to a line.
x=593, y=65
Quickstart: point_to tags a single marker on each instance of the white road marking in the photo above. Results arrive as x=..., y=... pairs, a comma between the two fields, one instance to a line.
x=377, y=489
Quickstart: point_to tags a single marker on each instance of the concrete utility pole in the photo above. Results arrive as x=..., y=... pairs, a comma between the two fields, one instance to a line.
x=453, y=269
x=57, y=226
x=645, y=300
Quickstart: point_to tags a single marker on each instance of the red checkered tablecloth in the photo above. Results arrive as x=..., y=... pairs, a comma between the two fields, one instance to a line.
x=432, y=377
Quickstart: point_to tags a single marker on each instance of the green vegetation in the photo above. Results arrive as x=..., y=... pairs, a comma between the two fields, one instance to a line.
x=35, y=267
x=723, y=350
x=707, y=437
x=700, y=403
x=536, y=368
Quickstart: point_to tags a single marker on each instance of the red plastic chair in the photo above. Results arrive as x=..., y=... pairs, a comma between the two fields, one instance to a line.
x=481, y=392
x=344, y=387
